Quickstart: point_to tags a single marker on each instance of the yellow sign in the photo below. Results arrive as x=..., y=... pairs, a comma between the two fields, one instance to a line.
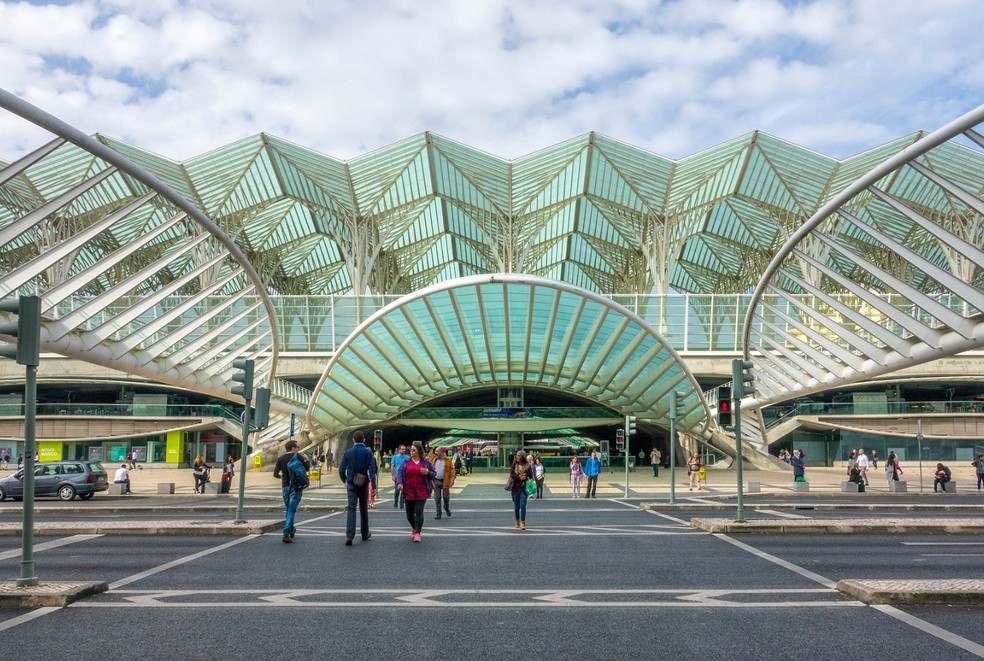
x=314, y=474
x=703, y=474
x=174, y=447
x=257, y=462
x=50, y=450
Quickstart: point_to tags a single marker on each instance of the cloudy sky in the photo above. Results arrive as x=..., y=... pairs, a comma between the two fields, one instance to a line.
x=344, y=77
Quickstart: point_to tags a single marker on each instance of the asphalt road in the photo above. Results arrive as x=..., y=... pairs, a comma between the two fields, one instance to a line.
x=595, y=579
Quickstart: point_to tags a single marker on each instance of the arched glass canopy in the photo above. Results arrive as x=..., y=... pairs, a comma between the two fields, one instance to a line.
x=497, y=331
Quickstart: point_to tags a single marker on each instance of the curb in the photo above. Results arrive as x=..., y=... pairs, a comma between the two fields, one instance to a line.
x=204, y=528
x=172, y=509
x=47, y=594
x=839, y=526
x=869, y=507
x=951, y=592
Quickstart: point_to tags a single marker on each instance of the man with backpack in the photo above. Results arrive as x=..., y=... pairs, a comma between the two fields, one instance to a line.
x=292, y=468
x=357, y=471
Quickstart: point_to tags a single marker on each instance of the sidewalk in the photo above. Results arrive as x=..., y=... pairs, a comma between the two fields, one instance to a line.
x=611, y=484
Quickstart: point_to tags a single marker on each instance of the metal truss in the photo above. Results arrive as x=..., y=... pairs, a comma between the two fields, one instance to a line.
x=902, y=246
x=132, y=275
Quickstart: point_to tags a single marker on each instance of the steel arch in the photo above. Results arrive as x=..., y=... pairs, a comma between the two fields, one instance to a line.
x=926, y=303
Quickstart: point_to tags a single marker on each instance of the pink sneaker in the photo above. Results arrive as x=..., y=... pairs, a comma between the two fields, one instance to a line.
x=416, y=537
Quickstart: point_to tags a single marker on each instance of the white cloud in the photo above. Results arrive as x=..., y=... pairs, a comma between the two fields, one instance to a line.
x=508, y=77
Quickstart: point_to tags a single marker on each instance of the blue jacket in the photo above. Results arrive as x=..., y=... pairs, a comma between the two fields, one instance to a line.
x=357, y=459
x=592, y=467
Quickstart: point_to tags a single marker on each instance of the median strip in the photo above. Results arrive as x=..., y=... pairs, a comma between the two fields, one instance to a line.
x=851, y=525
x=907, y=592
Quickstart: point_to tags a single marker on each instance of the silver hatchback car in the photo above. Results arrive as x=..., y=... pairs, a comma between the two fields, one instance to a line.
x=64, y=479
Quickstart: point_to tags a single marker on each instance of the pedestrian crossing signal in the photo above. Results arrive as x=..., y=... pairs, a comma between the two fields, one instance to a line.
x=724, y=407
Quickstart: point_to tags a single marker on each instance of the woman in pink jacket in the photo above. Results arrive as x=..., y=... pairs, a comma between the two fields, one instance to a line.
x=414, y=479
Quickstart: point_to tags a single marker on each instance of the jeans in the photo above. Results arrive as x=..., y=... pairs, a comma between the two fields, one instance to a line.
x=519, y=504
x=292, y=499
x=655, y=468
x=575, y=486
x=199, y=483
x=539, y=488
x=980, y=481
x=398, y=498
x=592, y=486
x=357, y=497
x=415, y=514
x=440, y=493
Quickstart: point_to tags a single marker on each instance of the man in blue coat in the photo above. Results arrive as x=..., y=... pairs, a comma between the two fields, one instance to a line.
x=592, y=467
x=357, y=470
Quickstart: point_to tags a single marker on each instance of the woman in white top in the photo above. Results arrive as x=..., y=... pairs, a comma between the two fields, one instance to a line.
x=892, y=469
x=538, y=472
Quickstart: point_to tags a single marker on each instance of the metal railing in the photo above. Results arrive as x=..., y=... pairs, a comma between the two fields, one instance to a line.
x=129, y=410
x=689, y=322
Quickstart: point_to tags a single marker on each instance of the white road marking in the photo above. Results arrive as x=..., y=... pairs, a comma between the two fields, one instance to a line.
x=438, y=530
x=27, y=617
x=952, y=555
x=942, y=543
x=817, y=578
x=950, y=637
x=64, y=541
x=479, y=598
x=180, y=561
x=911, y=620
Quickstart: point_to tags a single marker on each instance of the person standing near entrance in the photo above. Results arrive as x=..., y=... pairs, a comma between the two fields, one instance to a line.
x=592, y=467
x=978, y=465
x=228, y=472
x=398, y=459
x=444, y=476
x=862, y=463
x=292, y=496
x=576, y=472
x=694, y=467
x=200, y=470
x=655, y=458
x=799, y=467
x=357, y=471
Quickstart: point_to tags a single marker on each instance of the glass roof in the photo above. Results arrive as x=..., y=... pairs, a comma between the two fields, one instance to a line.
x=592, y=211
x=489, y=331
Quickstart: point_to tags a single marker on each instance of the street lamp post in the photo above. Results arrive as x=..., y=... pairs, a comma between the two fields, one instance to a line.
x=919, y=440
x=27, y=352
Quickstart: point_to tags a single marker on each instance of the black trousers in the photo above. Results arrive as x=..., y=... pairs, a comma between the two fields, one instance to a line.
x=415, y=513
x=357, y=497
x=592, y=486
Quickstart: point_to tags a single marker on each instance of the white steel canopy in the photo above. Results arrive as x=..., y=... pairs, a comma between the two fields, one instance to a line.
x=502, y=330
x=131, y=275
x=904, y=248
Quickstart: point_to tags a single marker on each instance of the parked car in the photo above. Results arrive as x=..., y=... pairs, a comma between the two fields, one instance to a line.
x=65, y=479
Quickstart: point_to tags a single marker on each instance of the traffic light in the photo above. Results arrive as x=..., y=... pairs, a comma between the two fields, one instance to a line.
x=676, y=404
x=724, y=406
x=377, y=439
x=243, y=373
x=630, y=425
x=743, y=381
x=262, y=418
x=619, y=439
x=26, y=330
